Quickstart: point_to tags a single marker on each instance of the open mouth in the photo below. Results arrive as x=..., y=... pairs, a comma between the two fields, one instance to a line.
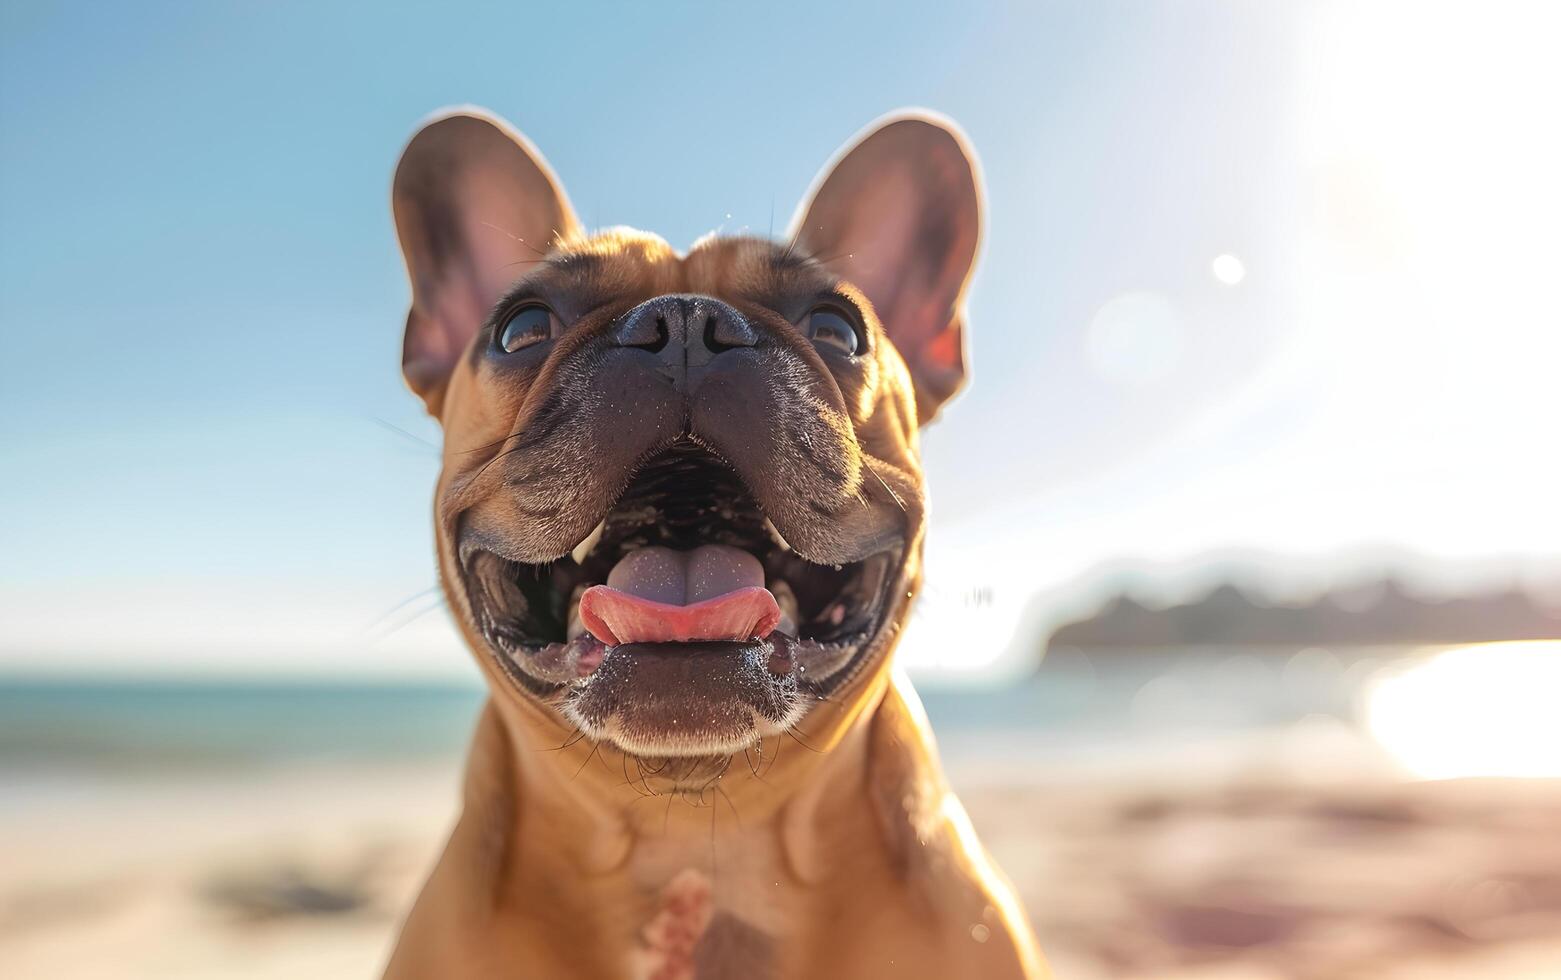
x=684, y=565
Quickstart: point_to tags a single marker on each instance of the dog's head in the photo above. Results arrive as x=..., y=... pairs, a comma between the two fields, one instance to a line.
x=681, y=499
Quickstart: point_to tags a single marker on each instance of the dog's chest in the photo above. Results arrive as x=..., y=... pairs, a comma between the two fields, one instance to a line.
x=709, y=920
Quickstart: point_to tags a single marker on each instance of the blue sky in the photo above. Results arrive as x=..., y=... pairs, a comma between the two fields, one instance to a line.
x=201, y=297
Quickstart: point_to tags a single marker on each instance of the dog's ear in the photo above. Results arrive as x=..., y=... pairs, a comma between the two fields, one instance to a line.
x=899, y=215
x=474, y=203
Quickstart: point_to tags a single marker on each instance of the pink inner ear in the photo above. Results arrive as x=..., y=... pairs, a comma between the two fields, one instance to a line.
x=435, y=340
x=900, y=216
x=473, y=203
x=468, y=282
x=945, y=351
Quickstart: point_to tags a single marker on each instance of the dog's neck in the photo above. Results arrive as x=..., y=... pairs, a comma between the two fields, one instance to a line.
x=794, y=796
x=745, y=862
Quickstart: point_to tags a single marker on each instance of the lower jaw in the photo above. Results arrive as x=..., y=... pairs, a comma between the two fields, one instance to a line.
x=666, y=700
x=670, y=700
x=558, y=669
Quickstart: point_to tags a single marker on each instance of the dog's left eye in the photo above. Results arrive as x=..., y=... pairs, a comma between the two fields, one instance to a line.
x=829, y=329
x=528, y=325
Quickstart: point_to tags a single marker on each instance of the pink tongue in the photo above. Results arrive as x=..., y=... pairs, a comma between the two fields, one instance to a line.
x=657, y=595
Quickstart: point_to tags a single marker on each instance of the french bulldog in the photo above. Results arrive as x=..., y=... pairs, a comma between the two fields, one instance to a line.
x=680, y=522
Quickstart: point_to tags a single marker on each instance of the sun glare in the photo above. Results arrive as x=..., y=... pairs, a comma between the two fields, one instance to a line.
x=1486, y=710
x=1426, y=321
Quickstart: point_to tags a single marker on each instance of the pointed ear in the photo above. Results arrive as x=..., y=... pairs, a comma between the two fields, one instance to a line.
x=474, y=202
x=899, y=215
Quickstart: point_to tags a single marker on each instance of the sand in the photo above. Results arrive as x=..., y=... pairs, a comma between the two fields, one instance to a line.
x=302, y=872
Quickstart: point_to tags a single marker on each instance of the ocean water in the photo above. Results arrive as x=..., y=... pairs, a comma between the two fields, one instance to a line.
x=1100, y=699
x=157, y=724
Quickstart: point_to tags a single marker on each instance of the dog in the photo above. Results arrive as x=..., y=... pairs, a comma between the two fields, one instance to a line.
x=680, y=523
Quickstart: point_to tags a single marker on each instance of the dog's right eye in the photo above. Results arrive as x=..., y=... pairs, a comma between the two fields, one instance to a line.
x=829, y=329
x=528, y=325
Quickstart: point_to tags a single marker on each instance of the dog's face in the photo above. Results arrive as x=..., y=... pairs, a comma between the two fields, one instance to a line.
x=681, y=499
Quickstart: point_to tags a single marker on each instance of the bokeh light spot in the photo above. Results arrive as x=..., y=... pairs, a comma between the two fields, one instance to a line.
x=1228, y=269
x=1136, y=339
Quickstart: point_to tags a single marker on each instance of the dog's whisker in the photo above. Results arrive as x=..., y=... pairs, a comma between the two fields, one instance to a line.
x=827, y=259
x=666, y=814
x=484, y=467
x=568, y=743
x=401, y=605
x=715, y=778
x=798, y=739
x=791, y=248
x=627, y=779
x=892, y=495
x=637, y=809
x=606, y=767
x=769, y=764
x=736, y=817
x=398, y=430
x=640, y=769
x=492, y=445
x=514, y=237
x=439, y=602
x=595, y=747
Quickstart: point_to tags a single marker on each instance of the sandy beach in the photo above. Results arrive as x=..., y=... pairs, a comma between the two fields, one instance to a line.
x=1253, y=870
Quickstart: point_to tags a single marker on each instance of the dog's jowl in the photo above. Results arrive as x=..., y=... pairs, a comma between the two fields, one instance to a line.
x=680, y=525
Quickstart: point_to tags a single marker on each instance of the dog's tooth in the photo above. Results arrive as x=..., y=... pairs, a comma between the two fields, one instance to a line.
x=786, y=599
x=583, y=550
x=775, y=535
x=576, y=625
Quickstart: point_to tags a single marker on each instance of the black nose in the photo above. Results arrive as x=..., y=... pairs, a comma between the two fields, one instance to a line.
x=684, y=331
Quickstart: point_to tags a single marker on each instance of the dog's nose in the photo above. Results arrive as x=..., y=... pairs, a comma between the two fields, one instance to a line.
x=684, y=330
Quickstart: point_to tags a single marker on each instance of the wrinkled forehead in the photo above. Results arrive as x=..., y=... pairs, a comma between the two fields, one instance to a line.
x=581, y=274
